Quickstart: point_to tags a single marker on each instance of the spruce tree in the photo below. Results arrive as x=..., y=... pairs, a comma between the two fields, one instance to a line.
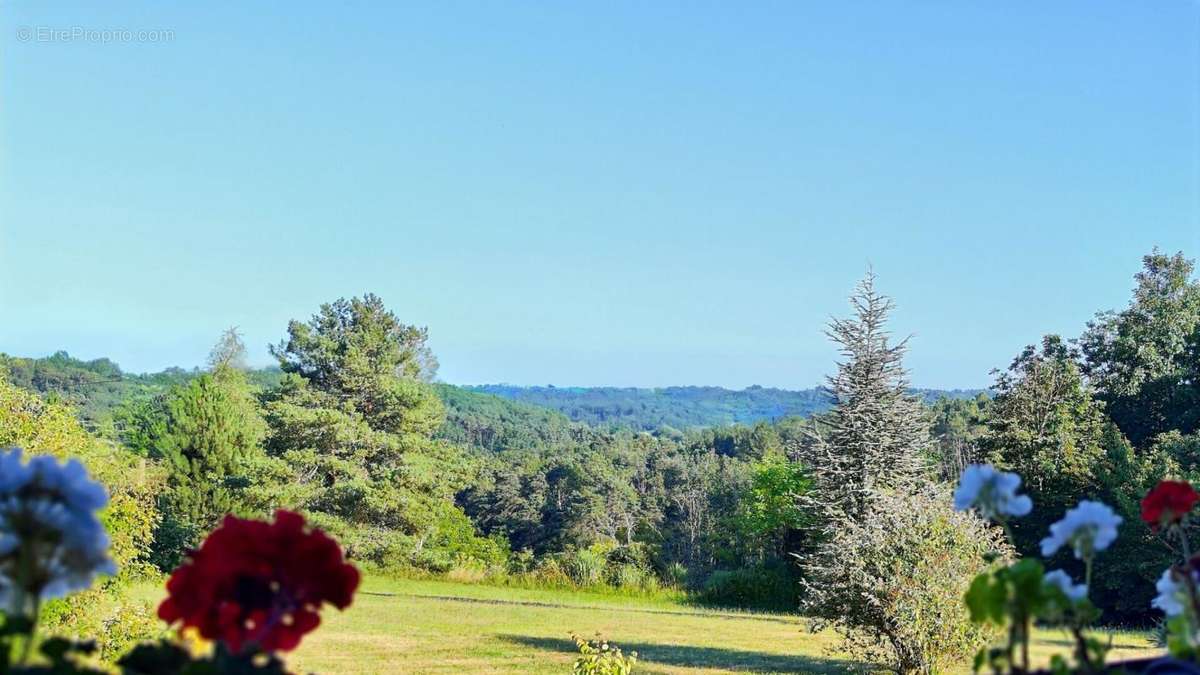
x=876, y=436
x=890, y=554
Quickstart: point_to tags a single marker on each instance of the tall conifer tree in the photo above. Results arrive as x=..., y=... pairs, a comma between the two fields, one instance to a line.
x=877, y=436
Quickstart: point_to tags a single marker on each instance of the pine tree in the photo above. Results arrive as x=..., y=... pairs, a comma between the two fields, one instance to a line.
x=212, y=431
x=208, y=431
x=354, y=419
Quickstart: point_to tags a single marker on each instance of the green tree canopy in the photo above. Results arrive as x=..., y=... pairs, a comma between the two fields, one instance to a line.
x=1145, y=359
x=1046, y=426
x=354, y=420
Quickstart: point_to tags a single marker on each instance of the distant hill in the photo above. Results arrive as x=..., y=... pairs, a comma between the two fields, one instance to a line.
x=96, y=387
x=681, y=407
x=494, y=424
x=474, y=415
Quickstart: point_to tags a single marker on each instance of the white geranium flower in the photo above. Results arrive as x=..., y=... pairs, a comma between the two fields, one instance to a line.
x=993, y=493
x=1172, y=594
x=48, y=513
x=1063, y=581
x=1088, y=528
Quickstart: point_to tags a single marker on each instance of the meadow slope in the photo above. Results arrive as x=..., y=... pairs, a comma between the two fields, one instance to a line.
x=407, y=626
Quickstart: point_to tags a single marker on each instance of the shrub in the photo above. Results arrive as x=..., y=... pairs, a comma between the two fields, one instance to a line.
x=650, y=582
x=629, y=577
x=676, y=575
x=761, y=587
x=522, y=562
x=50, y=428
x=116, y=623
x=173, y=537
x=586, y=566
x=892, y=584
x=130, y=519
x=468, y=572
x=600, y=657
x=128, y=624
x=549, y=572
x=472, y=571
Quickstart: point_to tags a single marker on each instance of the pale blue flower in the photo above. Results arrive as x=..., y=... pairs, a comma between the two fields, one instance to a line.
x=993, y=493
x=1172, y=594
x=1063, y=582
x=14, y=473
x=1087, y=528
x=50, y=509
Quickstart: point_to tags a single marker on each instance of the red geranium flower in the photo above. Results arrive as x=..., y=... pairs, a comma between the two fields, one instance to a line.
x=259, y=584
x=1168, y=503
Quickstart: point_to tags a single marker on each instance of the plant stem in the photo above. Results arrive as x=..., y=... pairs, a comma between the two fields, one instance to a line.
x=31, y=639
x=1082, y=654
x=1025, y=630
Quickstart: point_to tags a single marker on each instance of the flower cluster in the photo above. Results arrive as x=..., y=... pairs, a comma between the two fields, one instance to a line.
x=993, y=493
x=256, y=585
x=51, y=540
x=1087, y=528
x=253, y=587
x=1168, y=503
x=1017, y=595
x=1165, y=509
x=1173, y=592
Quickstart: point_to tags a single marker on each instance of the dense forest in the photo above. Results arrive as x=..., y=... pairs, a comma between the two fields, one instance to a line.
x=99, y=386
x=733, y=497
x=684, y=407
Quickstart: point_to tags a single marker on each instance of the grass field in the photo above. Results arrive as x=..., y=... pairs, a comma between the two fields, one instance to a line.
x=411, y=626
x=443, y=627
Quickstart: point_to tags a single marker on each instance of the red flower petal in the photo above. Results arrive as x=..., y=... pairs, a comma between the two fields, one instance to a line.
x=1168, y=503
x=251, y=582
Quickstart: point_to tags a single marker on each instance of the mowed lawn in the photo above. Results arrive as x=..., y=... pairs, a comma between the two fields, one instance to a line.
x=410, y=626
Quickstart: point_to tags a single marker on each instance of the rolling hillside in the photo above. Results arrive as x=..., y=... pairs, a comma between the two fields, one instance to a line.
x=96, y=386
x=680, y=407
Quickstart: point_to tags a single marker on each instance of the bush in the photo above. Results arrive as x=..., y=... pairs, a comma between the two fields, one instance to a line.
x=472, y=571
x=117, y=623
x=50, y=428
x=453, y=544
x=632, y=577
x=676, y=575
x=173, y=537
x=549, y=572
x=130, y=519
x=600, y=657
x=128, y=624
x=469, y=572
x=892, y=585
x=586, y=566
x=771, y=587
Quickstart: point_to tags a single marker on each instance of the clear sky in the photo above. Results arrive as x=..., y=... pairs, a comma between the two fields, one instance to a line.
x=616, y=193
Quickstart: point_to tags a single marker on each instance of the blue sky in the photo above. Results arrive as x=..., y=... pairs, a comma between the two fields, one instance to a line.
x=620, y=193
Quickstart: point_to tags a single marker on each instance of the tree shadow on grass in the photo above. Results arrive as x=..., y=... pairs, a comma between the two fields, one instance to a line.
x=1070, y=643
x=703, y=657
